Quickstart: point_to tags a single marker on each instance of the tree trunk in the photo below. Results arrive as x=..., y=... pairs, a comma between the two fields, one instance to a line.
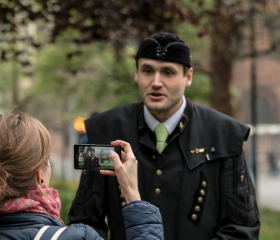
x=223, y=47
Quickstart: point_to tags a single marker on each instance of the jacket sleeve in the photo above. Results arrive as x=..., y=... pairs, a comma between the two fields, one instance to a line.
x=142, y=221
x=239, y=215
x=88, y=206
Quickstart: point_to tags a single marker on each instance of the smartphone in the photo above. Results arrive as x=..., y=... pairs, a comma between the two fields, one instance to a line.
x=94, y=156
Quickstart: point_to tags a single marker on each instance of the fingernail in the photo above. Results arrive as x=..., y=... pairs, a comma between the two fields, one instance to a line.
x=111, y=151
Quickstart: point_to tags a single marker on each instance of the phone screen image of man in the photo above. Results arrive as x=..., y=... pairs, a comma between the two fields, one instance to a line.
x=91, y=161
x=95, y=158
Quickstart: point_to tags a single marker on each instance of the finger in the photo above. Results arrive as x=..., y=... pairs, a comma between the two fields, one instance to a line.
x=108, y=172
x=115, y=143
x=115, y=158
x=123, y=156
x=126, y=147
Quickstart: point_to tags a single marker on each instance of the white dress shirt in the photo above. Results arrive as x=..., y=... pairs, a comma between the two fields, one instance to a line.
x=170, y=123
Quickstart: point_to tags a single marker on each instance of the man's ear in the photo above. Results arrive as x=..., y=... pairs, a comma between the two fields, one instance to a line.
x=136, y=76
x=188, y=76
x=39, y=175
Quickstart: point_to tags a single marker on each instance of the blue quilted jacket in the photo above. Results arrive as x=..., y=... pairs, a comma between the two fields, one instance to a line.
x=142, y=221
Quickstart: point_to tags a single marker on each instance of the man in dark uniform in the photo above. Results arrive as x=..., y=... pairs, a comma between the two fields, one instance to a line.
x=192, y=167
x=91, y=161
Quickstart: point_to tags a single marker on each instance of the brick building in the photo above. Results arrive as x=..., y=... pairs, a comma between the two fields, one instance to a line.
x=267, y=102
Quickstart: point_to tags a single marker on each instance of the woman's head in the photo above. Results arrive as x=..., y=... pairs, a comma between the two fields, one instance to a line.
x=24, y=154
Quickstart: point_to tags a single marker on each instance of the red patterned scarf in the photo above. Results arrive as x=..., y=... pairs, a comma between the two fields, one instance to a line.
x=34, y=201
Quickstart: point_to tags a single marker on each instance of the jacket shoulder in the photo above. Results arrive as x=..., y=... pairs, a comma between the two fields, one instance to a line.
x=220, y=122
x=222, y=135
x=119, y=113
x=118, y=123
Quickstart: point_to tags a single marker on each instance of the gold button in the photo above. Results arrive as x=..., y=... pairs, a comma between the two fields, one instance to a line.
x=157, y=190
x=154, y=157
x=204, y=184
x=200, y=199
x=158, y=209
x=123, y=204
x=202, y=192
x=194, y=217
x=197, y=208
x=121, y=196
x=119, y=187
x=159, y=172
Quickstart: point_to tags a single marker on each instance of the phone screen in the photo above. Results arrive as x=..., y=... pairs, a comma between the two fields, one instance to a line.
x=94, y=156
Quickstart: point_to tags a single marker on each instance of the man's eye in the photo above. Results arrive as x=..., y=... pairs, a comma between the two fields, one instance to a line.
x=168, y=72
x=147, y=70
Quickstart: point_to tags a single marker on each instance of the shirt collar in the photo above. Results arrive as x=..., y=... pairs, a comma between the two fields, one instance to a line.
x=170, y=123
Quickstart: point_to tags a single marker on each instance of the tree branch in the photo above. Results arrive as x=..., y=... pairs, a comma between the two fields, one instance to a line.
x=202, y=69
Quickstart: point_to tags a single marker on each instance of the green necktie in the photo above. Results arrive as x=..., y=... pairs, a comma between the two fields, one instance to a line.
x=161, y=135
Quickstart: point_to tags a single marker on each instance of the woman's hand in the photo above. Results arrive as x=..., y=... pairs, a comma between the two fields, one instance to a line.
x=126, y=171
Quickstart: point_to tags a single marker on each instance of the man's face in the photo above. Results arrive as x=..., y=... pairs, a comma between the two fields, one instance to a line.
x=92, y=153
x=161, y=86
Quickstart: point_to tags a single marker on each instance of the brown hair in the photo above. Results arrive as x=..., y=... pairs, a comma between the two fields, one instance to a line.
x=24, y=148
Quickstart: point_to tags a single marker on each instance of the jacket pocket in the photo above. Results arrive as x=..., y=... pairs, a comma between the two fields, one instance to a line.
x=241, y=209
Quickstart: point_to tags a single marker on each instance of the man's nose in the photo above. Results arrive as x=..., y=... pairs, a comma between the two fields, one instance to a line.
x=157, y=80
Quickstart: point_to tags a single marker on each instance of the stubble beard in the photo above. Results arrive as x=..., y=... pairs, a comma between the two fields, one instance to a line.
x=162, y=112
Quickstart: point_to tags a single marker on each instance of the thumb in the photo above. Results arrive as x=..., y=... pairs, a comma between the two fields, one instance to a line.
x=115, y=158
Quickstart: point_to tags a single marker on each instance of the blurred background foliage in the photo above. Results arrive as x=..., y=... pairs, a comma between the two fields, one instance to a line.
x=80, y=79
x=75, y=57
x=83, y=50
x=83, y=78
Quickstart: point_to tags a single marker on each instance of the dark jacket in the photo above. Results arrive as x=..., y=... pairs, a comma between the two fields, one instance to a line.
x=142, y=221
x=200, y=182
x=92, y=163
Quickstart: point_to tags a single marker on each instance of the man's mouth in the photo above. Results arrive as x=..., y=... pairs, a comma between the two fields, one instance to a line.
x=156, y=96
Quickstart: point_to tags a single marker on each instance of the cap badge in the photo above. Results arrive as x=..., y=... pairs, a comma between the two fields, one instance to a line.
x=161, y=51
